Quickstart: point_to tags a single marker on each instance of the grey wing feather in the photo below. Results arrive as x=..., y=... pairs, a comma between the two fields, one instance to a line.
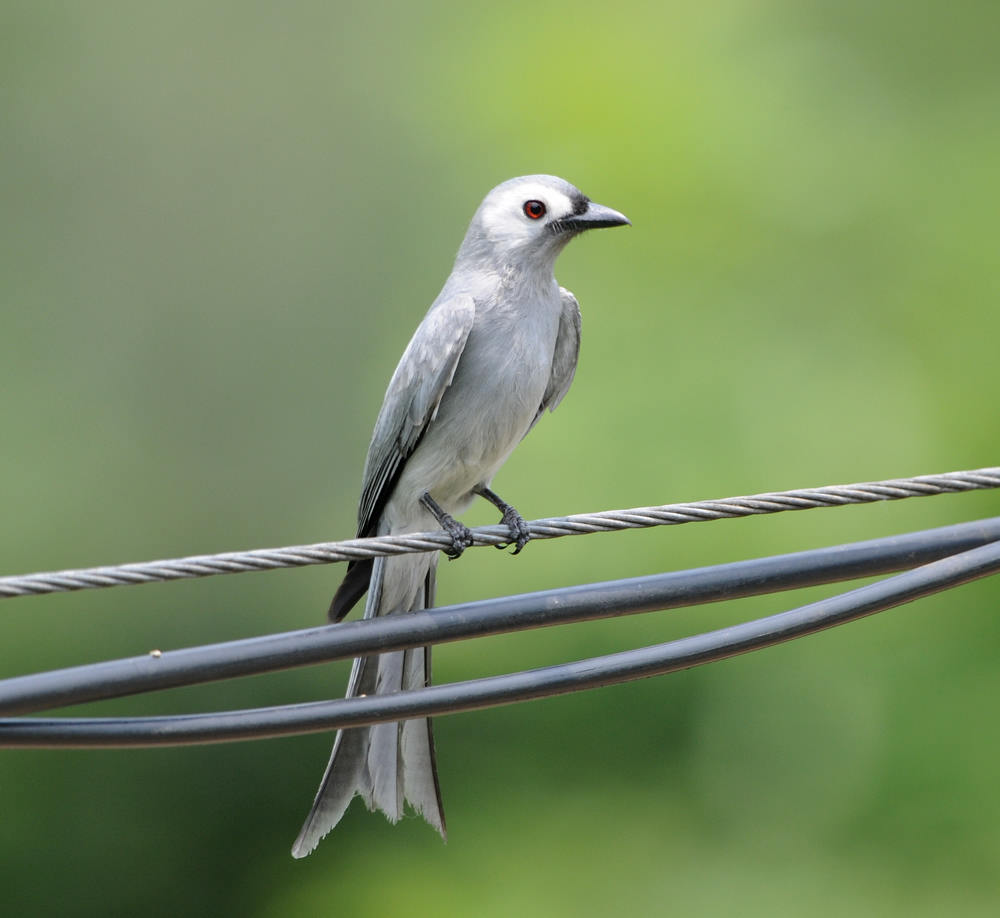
x=425, y=371
x=565, y=356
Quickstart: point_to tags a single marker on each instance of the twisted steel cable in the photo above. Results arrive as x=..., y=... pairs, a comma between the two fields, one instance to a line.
x=608, y=520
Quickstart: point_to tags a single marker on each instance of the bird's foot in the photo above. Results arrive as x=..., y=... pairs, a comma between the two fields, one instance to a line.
x=461, y=535
x=519, y=534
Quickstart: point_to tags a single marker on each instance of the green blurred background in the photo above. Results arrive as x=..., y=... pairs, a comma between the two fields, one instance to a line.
x=221, y=223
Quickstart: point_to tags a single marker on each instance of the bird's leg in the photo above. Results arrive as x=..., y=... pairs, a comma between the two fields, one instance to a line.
x=461, y=535
x=511, y=518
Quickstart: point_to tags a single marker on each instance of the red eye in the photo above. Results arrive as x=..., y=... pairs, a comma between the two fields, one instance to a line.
x=534, y=209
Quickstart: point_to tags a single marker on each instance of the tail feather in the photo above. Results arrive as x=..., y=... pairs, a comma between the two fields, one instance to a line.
x=385, y=764
x=383, y=747
x=416, y=743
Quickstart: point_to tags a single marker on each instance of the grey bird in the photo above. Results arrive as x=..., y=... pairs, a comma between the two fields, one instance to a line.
x=497, y=348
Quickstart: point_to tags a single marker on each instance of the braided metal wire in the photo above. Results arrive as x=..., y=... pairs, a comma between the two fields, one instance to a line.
x=579, y=524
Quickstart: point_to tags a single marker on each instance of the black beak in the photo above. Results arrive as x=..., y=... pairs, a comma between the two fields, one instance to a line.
x=595, y=216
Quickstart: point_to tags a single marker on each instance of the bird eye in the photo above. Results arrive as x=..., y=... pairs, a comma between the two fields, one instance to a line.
x=535, y=210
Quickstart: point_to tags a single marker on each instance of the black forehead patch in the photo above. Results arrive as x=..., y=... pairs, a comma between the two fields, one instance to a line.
x=580, y=204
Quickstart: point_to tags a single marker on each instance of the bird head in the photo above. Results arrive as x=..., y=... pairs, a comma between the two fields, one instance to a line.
x=530, y=219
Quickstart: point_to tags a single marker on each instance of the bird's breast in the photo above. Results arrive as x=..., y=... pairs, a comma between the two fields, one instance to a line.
x=498, y=386
x=494, y=397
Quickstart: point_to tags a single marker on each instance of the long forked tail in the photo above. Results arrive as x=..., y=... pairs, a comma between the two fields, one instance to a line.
x=385, y=764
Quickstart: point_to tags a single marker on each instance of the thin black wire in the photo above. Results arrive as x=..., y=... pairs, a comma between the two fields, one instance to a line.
x=500, y=690
x=170, y=669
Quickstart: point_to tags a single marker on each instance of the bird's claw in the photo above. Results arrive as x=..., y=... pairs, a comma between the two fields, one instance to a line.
x=461, y=537
x=519, y=534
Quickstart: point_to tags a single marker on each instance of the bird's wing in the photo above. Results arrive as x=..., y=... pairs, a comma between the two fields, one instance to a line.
x=565, y=356
x=425, y=371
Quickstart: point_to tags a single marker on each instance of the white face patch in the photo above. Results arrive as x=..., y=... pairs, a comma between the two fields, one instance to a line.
x=508, y=226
